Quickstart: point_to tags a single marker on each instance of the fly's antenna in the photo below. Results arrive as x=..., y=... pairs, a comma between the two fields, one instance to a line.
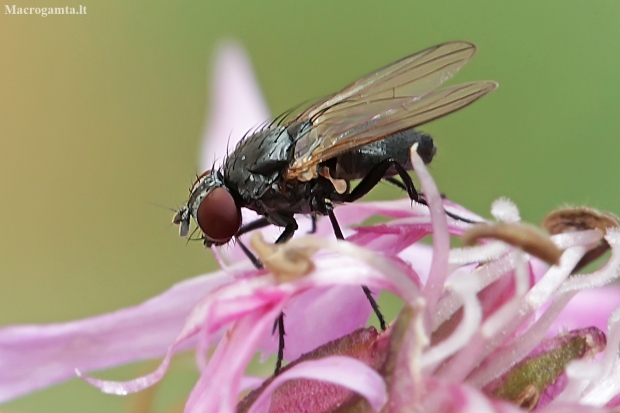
x=166, y=208
x=162, y=206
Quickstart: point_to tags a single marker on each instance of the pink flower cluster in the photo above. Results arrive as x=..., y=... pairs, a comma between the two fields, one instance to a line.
x=488, y=327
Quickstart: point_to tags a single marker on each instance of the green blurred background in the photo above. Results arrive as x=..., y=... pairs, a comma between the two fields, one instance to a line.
x=101, y=116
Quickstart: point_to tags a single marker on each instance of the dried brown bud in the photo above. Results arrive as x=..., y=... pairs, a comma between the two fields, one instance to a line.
x=579, y=219
x=527, y=237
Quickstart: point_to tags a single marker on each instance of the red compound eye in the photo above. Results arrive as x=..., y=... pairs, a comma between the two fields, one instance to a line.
x=218, y=216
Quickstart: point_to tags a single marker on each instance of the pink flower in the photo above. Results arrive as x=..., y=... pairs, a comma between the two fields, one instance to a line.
x=489, y=327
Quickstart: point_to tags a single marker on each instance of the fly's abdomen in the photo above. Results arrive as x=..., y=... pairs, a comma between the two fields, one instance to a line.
x=359, y=162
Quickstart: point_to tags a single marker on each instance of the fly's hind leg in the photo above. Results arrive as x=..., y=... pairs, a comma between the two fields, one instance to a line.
x=376, y=174
x=399, y=184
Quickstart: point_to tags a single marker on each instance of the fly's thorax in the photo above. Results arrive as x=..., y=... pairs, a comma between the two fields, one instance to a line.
x=306, y=140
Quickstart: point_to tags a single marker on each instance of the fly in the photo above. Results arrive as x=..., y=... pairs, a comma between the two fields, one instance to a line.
x=304, y=163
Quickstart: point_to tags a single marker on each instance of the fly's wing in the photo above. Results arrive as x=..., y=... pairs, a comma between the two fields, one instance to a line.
x=397, y=97
x=413, y=75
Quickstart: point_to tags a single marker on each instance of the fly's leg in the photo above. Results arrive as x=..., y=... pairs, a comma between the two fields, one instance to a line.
x=371, y=299
x=375, y=175
x=289, y=230
x=396, y=182
x=335, y=225
x=399, y=184
x=287, y=234
x=375, y=307
x=313, y=228
x=451, y=215
x=256, y=224
x=279, y=323
x=255, y=261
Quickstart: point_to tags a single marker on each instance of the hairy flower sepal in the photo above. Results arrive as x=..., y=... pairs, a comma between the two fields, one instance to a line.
x=335, y=383
x=537, y=379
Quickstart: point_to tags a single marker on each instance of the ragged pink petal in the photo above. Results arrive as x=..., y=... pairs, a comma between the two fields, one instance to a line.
x=389, y=240
x=36, y=356
x=230, y=302
x=419, y=257
x=237, y=104
x=321, y=315
x=245, y=297
x=588, y=308
x=219, y=384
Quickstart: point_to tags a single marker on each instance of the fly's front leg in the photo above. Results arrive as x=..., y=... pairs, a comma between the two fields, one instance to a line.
x=290, y=226
x=279, y=324
x=288, y=232
x=256, y=224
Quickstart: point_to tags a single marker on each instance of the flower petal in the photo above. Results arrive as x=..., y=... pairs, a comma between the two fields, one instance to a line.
x=237, y=104
x=35, y=356
x=321, y=315
x=219, y=384
x=588, y=308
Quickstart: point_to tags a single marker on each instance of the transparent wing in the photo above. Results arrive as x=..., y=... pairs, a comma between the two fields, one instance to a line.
x=351, y=126
x=413, y=75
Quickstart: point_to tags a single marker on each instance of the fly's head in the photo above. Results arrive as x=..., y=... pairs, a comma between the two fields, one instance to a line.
x=213, y=208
